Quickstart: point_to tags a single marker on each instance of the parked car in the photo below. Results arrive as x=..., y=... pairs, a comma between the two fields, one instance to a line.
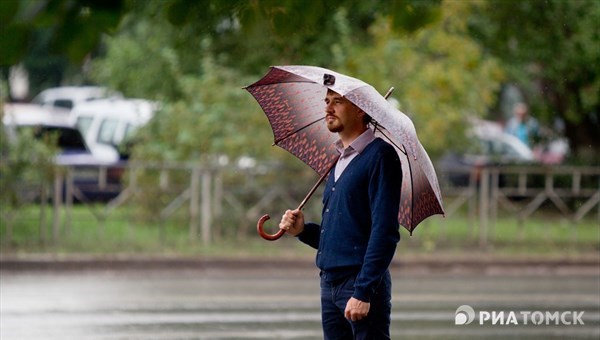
x=32, y=114
x=20, y=113
x=68, y=97
x=106, y=124
x=552, y=149
x=95, y=179
x=490, y=146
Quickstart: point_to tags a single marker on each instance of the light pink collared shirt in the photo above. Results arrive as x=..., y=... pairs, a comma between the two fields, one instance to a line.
x=353, y=150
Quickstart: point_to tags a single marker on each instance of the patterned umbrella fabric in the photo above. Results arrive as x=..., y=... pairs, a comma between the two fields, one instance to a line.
x=292, y=98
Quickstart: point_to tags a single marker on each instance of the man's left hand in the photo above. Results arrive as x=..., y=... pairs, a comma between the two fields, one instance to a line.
x=356, y=309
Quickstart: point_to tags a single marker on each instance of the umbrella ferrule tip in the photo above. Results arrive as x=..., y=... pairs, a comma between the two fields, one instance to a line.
x=328, y=79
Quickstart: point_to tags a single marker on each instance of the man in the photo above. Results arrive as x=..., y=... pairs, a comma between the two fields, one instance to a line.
x=359, y=231
x=523, y=126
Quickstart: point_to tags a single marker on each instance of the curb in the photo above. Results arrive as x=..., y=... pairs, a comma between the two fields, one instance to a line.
x=431, y=265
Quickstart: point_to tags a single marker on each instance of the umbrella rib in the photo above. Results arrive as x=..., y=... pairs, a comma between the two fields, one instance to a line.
x=279, y=82
x=412, y=199
x=391, y=141
x=296, y=131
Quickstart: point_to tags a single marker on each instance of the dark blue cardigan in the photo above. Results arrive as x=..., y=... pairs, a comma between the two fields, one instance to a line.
x=359, y=229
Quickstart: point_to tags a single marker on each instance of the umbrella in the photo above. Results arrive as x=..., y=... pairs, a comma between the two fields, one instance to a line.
x=292, y=98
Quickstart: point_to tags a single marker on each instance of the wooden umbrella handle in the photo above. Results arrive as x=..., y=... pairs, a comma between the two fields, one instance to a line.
x=264, y=218
x=263, y=234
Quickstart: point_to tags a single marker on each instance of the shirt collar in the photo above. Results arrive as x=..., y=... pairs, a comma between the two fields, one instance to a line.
x=358, y=144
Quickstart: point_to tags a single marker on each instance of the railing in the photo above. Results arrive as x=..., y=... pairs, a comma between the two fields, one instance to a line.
x=205, y=192
x=522, y=190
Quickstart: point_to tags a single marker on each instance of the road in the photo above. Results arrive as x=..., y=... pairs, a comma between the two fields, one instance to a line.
x=282, y=303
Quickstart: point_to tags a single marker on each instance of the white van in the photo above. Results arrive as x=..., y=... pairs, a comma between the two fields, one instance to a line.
x=106, y=123
x=40, y=119
x=21, y=113
x=68, y=97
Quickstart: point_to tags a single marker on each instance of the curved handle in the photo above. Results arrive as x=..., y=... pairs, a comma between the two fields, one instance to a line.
x=261, y=232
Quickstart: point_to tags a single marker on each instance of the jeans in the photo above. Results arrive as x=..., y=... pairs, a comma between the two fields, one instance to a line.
x=335, y=295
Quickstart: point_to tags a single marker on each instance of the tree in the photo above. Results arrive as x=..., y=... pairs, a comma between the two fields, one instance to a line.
x=250, y=35
x=435, y=70
x=550, y=49
x=51, y=38
x=442, y=78
x=75, y=27
x=198, y=55
x=142, y=60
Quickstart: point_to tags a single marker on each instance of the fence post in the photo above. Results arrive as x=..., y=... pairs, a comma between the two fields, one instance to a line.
x=495, y=195
x=194, y=202
x=69, y=185
x=57, y=202
x=472, y=208
x=43, y=207
x=217, y=203
x=206, y=204
x=484, y=207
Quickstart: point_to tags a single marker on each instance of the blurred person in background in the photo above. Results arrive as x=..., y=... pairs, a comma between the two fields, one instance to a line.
x=522, y=125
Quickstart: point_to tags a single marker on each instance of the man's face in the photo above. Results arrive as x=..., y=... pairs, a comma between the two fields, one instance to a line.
x=341, y=114
x=521, y=111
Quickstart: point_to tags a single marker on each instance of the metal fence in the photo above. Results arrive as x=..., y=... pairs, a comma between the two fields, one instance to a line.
x=210, y=196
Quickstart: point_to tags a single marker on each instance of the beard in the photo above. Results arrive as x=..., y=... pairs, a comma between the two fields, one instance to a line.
x=335, y=126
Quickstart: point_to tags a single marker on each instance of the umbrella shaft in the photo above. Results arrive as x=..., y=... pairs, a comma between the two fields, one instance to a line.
x=314, y=188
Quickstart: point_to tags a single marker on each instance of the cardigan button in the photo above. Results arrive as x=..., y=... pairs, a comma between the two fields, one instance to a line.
x=333, y=189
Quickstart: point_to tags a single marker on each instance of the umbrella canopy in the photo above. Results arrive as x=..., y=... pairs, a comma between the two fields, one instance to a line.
x=292, y=98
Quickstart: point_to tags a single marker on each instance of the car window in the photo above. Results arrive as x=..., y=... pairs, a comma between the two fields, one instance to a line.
x=129, y=131
x=108, y=127
x=84, y=123
x=63, y=103
x=66, y=138
x=70, y=139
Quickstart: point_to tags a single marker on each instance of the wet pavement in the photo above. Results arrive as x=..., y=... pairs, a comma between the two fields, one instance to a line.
x=283, y=303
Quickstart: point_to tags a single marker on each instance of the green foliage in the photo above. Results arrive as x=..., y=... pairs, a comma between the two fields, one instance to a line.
x=25, y=163
x=550, y=49
x=75, y=26
x=547, y=47
x=205, y=110
x=441, y=77
x=213, y=116
x=250, y=35
x=53, y=38
x=141, y=63
x=193, y=56
x=410, y=16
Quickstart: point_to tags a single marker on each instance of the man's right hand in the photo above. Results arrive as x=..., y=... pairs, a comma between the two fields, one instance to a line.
x=292, y=222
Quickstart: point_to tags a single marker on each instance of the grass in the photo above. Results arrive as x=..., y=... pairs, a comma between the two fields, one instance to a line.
x=542, y=233
x=121, y=232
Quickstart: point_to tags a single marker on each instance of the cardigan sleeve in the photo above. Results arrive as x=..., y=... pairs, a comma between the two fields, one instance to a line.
x=311, y=234
x=385, y=184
